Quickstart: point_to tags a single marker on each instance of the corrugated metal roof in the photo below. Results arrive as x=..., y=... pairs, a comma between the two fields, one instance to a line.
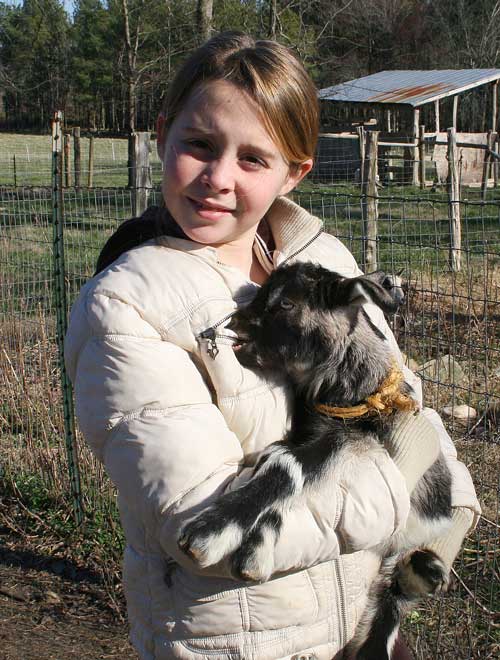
x=408, y=87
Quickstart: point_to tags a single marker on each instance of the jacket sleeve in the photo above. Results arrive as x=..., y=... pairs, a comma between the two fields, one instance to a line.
x=147, y=414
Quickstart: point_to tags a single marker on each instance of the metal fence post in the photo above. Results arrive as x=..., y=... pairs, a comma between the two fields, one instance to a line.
x=61, y=314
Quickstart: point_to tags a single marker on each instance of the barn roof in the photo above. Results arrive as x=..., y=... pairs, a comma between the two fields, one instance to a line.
x=413, y=88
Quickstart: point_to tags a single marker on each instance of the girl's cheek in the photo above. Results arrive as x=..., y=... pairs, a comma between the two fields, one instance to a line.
x=181, y=167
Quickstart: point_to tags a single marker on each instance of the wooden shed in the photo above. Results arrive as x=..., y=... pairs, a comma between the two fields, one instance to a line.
x=407, y=109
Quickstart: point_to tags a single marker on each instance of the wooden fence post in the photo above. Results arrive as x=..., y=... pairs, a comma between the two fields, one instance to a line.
x=496, y=162
x=454, y=202
x=91, y=162
x=131, y=142
x=421, y=155
x=486, y=165
x=361, y=138
x=141, y=173
x=77, y=158
x=67, y=160
x=369, y=203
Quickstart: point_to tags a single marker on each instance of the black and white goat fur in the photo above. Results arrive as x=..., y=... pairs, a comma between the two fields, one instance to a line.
x=309, y=324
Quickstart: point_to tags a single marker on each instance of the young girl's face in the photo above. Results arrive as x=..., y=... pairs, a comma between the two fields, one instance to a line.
x=221, y=169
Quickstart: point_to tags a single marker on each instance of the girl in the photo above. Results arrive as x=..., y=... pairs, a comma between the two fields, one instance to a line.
x=172, y=414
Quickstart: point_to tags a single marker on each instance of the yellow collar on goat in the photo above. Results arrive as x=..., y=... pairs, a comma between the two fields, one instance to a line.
x=384, y=401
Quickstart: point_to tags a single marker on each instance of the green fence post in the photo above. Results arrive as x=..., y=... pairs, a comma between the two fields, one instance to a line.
x=61, y=315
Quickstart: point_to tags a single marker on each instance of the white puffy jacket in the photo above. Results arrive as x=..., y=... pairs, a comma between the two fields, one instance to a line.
x=173, y=427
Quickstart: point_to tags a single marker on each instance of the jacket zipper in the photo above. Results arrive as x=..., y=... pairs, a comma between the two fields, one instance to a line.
x=210, y=333
x=306, y=245
x=341, y=602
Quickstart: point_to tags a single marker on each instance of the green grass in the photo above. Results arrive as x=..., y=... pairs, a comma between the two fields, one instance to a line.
x=413, y=233
x=26, y=160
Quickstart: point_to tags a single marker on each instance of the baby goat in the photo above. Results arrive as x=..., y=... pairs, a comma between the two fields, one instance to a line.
x=310, y=325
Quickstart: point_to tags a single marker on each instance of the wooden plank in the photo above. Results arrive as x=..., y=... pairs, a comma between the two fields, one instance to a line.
x=412, y=143
x=361, y=138
x=454, y=202
x=369, y=203
x=421, y=156
x=77, y=155
x=464, y=145
x=486, y=165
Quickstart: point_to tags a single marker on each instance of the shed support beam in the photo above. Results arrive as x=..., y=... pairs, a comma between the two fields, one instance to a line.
x=388, y=120
x=416, y=129
x=421, y=156
x=455, y=111
x=436, y=116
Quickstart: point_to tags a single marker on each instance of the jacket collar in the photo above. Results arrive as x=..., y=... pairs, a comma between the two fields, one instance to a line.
x=292, y=228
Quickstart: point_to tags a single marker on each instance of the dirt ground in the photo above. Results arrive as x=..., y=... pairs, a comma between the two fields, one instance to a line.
x=52, y=610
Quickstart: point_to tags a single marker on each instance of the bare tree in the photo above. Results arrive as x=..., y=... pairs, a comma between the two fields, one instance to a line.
x=204, y=18
x=273, y=18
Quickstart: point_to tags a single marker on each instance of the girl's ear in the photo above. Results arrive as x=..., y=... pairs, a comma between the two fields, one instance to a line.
x=160, y=135
x=296, y=175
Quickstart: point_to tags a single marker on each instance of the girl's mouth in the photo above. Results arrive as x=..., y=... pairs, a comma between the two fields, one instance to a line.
x=209, y=211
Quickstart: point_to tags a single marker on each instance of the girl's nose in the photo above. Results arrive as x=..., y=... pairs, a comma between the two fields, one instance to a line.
x=218, y=175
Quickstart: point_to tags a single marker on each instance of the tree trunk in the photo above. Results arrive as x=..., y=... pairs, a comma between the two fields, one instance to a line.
x=204, y=17
x=273, y=17
x=131, y=101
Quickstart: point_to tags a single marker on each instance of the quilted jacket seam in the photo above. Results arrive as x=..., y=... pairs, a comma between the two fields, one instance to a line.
x=281, y=634
x=122, y=418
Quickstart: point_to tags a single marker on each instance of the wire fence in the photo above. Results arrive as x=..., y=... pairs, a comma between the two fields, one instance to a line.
x=25, y=160
x=448, y=329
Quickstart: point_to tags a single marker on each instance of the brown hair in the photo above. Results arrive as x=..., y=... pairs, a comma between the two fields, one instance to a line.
x=270, y=74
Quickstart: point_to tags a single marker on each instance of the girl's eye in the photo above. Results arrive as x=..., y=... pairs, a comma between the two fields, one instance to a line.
x=254, y=161
x=287, y=304
x=198, y=144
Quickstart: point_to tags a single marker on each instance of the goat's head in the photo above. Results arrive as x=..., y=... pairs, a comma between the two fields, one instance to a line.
x=307, y=321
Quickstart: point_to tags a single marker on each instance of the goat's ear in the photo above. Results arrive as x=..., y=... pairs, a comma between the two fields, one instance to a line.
x=369, y=289
x=378, y=276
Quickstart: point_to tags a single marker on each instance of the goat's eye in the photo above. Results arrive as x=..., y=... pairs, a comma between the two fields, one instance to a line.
x=285, y=303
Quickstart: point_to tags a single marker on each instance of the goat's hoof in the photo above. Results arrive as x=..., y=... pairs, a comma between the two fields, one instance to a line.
x=207, y=540
x=423, y=574
x=254, y=559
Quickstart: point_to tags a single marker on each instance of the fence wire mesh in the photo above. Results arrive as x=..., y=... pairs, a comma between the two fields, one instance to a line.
x=447, y=328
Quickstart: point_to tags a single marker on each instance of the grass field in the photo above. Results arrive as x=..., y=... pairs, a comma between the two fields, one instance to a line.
x=26, y=160
x=446, y=313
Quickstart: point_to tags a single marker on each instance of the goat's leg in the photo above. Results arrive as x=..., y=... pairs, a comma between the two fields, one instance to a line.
x=401, y=584
x=246, y=522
